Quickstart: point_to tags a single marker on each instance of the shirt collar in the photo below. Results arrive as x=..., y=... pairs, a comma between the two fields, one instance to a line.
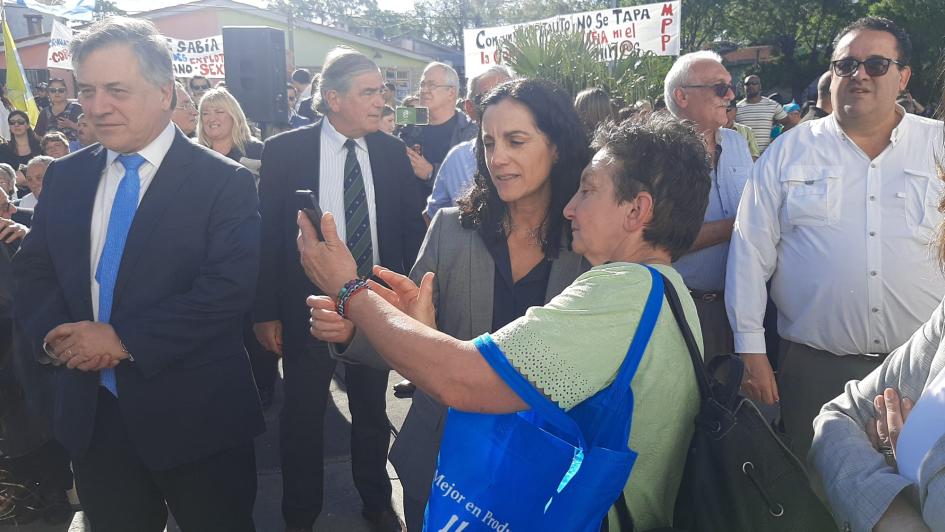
x=155, y=151
x=894, y=137
x=337, y=140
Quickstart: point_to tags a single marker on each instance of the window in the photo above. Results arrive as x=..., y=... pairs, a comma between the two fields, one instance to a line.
x=400, y=79
x=34, y=24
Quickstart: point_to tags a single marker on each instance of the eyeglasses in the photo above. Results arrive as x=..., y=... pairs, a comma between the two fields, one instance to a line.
x=875, y=66
x=17, y=122
x=56, y=91
x=720, y=89
x=189, y=106
x=428, y=86
x=200, y=88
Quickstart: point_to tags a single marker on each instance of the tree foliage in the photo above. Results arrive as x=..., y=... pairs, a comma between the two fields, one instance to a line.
x=800, y=31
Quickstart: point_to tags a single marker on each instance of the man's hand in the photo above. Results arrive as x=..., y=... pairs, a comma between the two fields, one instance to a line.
x=328, y=264
x=759, y=384
x=891, y=414
x=422, y=168
x=65, y=123
x=11, y=231
x=415, y=301
x=327, y=324
x=86, y=345
x=269, y=334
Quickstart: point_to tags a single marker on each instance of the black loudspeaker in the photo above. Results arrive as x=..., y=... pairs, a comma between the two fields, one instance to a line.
x=254, y=60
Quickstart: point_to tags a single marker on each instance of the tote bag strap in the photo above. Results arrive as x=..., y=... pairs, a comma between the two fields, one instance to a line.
x=641, y=338
x=698, y=365
x=525, y=390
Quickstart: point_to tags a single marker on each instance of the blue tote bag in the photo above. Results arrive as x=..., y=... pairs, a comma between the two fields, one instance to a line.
x=543, y=468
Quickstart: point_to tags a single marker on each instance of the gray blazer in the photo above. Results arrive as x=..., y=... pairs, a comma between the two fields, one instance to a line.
x=858, y=482
x=462, y=294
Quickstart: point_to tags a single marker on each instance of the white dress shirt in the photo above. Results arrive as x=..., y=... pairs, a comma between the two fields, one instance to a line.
x=107, y=187
x=845, y=240
x=331, y=181
x=28, y=201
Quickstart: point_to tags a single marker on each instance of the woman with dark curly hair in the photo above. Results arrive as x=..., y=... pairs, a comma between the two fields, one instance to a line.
x=504, y=250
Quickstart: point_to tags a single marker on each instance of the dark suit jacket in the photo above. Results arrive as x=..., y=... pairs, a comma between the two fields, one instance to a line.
x=290, y=162
x=186, y=280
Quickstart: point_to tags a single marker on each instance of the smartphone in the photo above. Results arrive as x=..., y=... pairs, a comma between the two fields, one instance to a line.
x=412, y=116
x=314, y=212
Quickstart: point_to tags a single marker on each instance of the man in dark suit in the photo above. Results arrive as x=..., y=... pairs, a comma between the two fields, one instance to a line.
x=139, y=290
x=363, y=176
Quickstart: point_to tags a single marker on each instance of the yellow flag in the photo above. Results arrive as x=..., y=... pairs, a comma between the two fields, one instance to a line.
x=18, y=91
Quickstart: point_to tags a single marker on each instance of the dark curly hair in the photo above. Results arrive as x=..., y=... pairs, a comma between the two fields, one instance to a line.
x=556, y=118
x=666, y=157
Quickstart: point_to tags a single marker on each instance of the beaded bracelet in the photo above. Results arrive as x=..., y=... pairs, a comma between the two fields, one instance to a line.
x=348, y=291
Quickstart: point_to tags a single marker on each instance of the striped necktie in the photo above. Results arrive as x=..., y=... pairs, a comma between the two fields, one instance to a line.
x=119, y=223
x=357, y=221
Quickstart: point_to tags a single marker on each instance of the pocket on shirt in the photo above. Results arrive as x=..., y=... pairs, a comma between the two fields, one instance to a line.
x=812, y=195
x=922, y=196
x=733, y=184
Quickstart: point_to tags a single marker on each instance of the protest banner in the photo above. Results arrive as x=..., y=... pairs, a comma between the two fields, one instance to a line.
x=192, y=57
x=59, y=55
x=615, y=32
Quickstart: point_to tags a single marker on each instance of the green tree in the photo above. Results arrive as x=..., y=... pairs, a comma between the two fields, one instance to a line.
x=924, y=20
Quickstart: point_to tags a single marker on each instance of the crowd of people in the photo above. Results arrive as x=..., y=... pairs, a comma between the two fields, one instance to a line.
x=160, y=257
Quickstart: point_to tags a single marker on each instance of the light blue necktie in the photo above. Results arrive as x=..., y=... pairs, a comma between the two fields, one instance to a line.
x=119, y=223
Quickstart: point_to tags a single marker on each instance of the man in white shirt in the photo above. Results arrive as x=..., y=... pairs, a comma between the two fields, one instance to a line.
x=699, y=88
x=759, y=112
x=35, y=171
x=839, y=215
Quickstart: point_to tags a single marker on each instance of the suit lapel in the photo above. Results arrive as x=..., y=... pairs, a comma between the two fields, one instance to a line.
x=564, y=270
x=85, y=180
x=481, y=285
x=384, y=195
x=314, y=144
x=166, y=184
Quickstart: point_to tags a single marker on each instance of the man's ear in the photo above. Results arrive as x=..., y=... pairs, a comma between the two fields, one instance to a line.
x=469, y=107
x=904, y=74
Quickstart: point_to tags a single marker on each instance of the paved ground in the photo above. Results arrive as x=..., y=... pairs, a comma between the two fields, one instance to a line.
x=342, y=505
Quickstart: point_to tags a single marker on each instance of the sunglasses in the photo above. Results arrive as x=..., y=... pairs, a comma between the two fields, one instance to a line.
x=875, y=66
x=17, y=122
x=56, y=91
x=752, y=83
x=720, y=89
x=201, y=87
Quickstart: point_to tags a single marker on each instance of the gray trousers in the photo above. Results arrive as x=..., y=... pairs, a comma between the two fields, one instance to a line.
x=807, y=379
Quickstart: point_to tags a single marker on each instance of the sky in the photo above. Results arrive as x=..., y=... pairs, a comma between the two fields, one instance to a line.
x=142, y=5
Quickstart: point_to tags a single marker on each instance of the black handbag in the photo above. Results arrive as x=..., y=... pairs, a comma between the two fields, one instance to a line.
x=739, y=475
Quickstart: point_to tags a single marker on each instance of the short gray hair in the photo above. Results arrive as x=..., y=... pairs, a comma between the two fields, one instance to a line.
x=39, y=159
x=7, y=174
x=678, y=75
x=148, y=45
x=472, y=84
x=342, y=64
x=452, y=78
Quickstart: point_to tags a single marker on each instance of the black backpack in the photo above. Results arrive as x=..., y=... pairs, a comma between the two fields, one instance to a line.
x=739, y=475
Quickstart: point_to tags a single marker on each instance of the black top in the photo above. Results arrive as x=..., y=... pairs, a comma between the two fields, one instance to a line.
x=49, y=121
x=8, y=155
x=510, y=300
x=253, y=150
x=435, y=140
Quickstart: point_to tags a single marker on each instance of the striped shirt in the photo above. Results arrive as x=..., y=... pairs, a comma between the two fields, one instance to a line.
x=331, y=180
x=760, y=117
